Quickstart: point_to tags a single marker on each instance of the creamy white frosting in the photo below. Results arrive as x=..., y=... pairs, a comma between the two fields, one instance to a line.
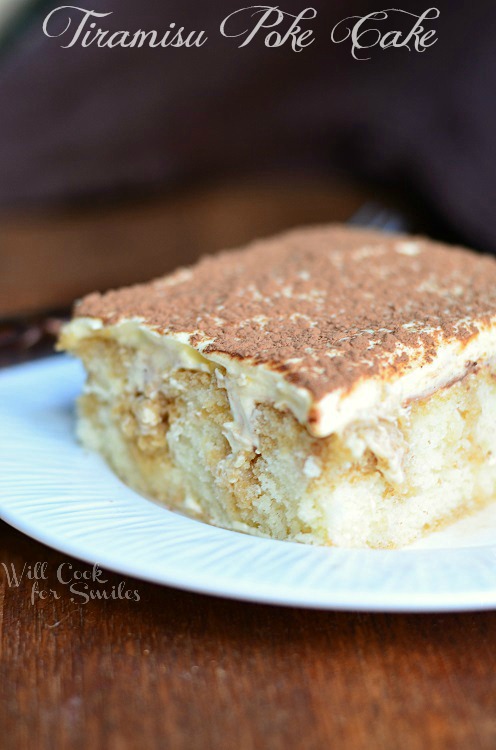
x=369, y=401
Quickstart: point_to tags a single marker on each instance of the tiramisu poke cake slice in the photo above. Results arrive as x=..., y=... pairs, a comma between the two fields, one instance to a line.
x=330, y=385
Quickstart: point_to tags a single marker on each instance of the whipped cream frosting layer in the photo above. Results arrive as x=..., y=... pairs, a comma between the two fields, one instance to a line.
x=335, y=324
x=371, y=399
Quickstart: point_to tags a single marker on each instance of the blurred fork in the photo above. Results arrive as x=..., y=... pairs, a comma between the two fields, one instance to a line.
x=376, y=216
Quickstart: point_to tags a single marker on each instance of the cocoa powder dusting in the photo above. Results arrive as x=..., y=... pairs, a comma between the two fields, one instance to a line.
x=325, y=306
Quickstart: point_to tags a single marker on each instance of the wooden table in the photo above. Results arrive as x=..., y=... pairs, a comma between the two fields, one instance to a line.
x=179, y=670
x=189, y=672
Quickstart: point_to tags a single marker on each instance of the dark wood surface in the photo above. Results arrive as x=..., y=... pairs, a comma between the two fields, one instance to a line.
x=189, y=672
x=179, y=670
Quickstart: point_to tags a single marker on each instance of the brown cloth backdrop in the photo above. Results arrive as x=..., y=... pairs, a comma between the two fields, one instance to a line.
x=83, y=123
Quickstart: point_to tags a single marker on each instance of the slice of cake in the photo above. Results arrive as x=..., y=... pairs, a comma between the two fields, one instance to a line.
x=329, y=385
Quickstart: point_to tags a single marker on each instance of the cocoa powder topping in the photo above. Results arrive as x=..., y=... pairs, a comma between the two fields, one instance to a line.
x=325, y=306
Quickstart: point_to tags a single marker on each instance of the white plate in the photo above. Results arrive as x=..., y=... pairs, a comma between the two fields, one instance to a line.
x=54, y=491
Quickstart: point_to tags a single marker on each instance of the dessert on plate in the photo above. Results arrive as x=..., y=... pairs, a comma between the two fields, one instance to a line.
x=330, y=385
